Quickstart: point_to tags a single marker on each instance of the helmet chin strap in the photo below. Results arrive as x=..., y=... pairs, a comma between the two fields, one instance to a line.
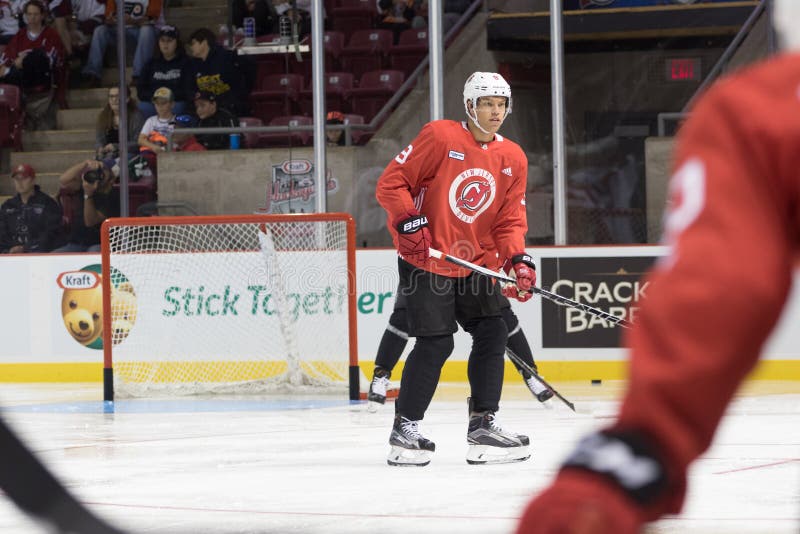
x=474, y=120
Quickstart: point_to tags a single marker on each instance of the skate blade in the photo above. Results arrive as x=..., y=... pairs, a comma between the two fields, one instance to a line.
x=399, y=456
x=486, y=454
x=373, y=406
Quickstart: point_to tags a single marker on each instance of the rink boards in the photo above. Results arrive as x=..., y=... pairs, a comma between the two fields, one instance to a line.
x=568, y=344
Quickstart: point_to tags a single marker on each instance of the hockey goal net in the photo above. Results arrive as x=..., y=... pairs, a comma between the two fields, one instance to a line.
x=230, y=304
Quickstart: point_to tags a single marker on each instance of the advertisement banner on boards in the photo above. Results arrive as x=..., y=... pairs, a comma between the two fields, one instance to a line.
x=611, y=284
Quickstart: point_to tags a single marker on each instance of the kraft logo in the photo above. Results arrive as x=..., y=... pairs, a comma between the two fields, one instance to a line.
x=78, y=280
x=507, y=171
x=456, y=155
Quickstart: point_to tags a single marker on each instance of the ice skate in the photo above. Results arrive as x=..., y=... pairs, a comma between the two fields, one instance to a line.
x=377, y=389
x=539, y=390
x=409, y=448
x=489, y=443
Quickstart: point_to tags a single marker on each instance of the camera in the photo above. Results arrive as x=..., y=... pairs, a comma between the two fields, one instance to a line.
x=93, y=175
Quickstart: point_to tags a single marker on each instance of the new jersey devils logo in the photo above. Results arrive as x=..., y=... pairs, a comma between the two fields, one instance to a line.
x=471, y=193
x=473, y=196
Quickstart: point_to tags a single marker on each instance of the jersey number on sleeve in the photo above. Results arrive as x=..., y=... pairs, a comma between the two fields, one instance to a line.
x=687, y=194
x=403, y=156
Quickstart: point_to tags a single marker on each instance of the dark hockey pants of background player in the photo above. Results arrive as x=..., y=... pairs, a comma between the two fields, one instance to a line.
x=435, y=305
x=395, y=337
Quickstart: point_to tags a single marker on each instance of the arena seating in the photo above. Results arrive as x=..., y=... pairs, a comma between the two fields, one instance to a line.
x=288, y=139
x=375, y=88
x=336, y=86
x=367, y=50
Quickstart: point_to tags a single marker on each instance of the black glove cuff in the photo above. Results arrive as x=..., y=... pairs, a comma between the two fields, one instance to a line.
x=523, y=258
x=412, y=224
x=624, y=458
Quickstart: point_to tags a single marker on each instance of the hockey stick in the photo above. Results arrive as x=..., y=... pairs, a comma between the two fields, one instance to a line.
x=554, y=297
x=524, y=365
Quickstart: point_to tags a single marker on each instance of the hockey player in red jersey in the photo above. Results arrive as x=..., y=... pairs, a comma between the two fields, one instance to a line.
x=735, y=194
x=457, y=182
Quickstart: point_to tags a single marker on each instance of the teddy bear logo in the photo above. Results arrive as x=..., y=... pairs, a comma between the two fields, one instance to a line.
x=82, y=306
x=123, y=311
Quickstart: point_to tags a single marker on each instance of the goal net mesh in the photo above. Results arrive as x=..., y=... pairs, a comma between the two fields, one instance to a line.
x=228, y=307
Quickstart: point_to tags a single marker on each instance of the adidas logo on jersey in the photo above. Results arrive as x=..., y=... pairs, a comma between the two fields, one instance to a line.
x=507, y=171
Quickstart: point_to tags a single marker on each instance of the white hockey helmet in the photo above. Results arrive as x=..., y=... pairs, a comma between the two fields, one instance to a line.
x=785, y=17
x=485, y=84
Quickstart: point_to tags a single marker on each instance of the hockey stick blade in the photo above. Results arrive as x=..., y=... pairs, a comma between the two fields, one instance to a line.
x=519, y=361
x=554, y=297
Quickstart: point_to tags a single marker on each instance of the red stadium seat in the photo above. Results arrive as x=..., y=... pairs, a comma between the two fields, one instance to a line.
x=365, y=51
x=291, y=138
x=276, y=94
x=359, y=136
x=269, y=63
x=374, y=90
x=12, y=116
x=407, y=54
x=333, y=42
x=336, y=86
x=251, y=140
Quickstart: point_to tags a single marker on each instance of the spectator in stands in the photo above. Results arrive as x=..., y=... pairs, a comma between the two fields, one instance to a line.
x=30, y=221
x=263, y=11
x=107, y=127
x=32, y=60
x=396, y=15
x=97, y=201
x=298, y=11
x=169, y=68
x=221, y=72
x=140, y=35
x=185, y=142
x=335, y=137
x=156, y=129
x=212, y=116
x=89, y=14
x=10, y=11
x=60, y=11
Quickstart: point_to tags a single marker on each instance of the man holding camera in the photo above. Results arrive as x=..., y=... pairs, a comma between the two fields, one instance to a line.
x=91, y=182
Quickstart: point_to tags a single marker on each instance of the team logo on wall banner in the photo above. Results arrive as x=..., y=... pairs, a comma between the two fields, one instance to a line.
x=82, y=305
x=613, y=285
x=292, y=189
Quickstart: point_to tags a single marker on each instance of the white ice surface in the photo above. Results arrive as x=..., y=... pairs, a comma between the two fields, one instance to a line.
x=224, y=466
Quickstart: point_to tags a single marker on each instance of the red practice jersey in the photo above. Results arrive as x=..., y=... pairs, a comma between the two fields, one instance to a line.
x=473, y=193
x=48, y=40
x=733, y=228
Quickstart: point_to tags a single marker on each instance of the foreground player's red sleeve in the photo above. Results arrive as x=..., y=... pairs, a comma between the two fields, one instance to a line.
x=511, y=223
x=712, y=302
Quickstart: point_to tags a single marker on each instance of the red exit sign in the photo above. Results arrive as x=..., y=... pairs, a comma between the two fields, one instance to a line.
x=683, y=70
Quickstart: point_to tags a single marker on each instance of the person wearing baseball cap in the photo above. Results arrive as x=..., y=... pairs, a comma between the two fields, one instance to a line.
x=211, y=115
x=156, y=129
x=335, y=137
x=30, y=221
x=170, y=68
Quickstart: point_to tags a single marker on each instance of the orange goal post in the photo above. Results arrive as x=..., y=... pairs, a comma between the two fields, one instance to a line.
x=229, y=304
